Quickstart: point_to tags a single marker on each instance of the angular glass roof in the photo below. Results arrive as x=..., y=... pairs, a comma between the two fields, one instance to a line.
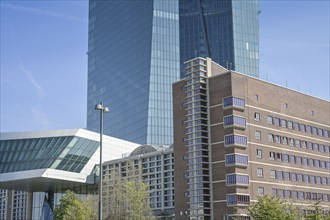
x=68, y=153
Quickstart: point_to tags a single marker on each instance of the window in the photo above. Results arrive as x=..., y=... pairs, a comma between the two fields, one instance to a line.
x=271, y=137
x=294, y=194
x=290, y=124
x=292, y=159
x=232, y=120
x=280, y=193
x=318, y=180
x=272, y=155
x=237, y=179
x=256, y=116
x=305, y=161
x=258, y=135
x=324, y=180
x=326, y=133
x=310, y=145
x=327, y=149
x=278, y=139
x=285, y=140
x=300, y=177
x=235, y=140
x=312, y=179
x=257, y=97
x=233, y=101
x=283, y=123
x=277, y=121
x=261, y=191
x=311, y=162
x=316, y=147
x=287, y=194
x=314, y=130
x=321, y=148
x=285, y=158
x=236, y=159
x=259, y=153
x=233, y=199
x=303, y=144
x=291, y=141
x=317, y=163
x=293, y=177
x=297, y=143
x=278, y=156
x=302, y=127
x=298, y=160
x=301, y=195
x=272, y=174
x=274, y=192
x=260, y=172
x=286, y=176
x=269, y=119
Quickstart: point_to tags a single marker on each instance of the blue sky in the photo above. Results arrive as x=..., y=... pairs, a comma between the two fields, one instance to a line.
x=44, y=62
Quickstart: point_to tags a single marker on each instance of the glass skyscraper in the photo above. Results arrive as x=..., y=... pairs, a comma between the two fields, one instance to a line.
x=136, y=49
x=225, y=30
x=133, y=59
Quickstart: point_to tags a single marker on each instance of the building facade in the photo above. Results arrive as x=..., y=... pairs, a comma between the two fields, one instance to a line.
x=237, y=137
x=225, y=30
x=134, y=54
x=133, y=59
x=152, y=165
x=36, y=168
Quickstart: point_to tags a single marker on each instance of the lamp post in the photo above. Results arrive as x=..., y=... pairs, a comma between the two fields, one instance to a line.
x=102, y=110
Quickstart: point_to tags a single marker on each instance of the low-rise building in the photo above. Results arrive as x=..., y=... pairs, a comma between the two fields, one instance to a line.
x=154, y=165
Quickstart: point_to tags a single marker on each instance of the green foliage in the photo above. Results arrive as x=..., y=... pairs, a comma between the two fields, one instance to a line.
x=129, y=200
x=317, y=213
x=73, y=208
x=273, y=208
x=138, y=201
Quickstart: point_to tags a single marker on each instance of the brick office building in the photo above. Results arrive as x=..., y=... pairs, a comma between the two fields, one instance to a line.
x=237, y=137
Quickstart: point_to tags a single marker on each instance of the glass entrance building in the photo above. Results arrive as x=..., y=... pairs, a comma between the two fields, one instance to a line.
x=135, y=50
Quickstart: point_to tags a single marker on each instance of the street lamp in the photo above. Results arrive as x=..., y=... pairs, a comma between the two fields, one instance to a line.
x=102, y=110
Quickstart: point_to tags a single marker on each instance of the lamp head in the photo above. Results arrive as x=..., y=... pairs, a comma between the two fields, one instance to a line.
x=98, y=107
x=105, y=109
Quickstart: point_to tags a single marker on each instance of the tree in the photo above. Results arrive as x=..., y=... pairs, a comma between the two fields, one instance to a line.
x=138, y=201
x=317, y=213
x=73, y=208
x=273, y=208
x=129, y=200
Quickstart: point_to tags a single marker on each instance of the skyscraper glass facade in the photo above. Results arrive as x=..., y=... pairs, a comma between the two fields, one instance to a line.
x=225, y=30
x=133, y=59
